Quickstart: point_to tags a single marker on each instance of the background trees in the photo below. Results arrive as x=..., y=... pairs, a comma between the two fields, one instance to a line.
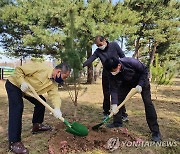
x=158, y=24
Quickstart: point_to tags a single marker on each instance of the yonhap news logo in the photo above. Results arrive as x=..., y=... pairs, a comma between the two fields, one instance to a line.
x=115, y=143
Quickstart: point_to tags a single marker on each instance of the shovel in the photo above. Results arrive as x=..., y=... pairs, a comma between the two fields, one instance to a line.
x=74, y=128
x=130, y=94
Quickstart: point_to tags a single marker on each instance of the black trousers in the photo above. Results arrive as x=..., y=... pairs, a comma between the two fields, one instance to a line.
x=15, y=97
x=151, y=116
x=106, y=94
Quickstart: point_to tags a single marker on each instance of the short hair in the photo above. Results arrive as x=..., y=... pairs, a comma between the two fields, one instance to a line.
x=101, y=38
x=111, y=63
x=63, y=67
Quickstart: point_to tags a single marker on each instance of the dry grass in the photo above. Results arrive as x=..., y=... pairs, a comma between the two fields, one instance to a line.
x=166, y=101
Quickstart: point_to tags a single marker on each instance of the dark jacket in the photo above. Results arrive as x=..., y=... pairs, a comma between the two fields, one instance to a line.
x=133, y=73
x=112, y=50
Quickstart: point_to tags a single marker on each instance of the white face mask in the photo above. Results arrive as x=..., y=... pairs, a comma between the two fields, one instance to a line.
x=115, y=73
x=102, y=47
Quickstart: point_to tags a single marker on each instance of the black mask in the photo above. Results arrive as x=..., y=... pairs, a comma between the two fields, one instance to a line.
x=59, y=80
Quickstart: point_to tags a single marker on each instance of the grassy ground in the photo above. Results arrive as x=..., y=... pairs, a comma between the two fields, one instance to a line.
x=166, y=101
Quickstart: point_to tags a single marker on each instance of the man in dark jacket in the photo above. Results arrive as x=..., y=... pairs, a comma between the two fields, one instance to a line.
x=130, y=73
x=106, y=50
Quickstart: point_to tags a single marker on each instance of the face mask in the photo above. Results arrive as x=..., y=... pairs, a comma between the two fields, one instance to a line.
x=102, y=47
x=115, y=73
x=59, y=80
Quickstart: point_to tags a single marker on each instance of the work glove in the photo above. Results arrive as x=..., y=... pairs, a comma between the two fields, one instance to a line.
x=114, y=109
x=139, y=88
x=24, y=87
x=57, y=113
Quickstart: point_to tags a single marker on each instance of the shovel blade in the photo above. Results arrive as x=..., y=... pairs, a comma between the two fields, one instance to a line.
x=96, y=127
x=77, y=129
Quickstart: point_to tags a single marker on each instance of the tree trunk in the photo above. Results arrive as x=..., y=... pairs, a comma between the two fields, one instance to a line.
x=137, y=42
x=153, y=53
x=75, y=112
x=21, y=61
x=75, y=99
x=90, y=67
x=98, y=69
x=137, y=47
x=150, y=73
x=122, y=41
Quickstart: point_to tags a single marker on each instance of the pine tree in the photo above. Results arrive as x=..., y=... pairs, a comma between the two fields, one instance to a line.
x=158, y=25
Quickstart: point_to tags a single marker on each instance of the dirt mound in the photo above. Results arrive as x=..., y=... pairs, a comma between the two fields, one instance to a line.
x=103, y=139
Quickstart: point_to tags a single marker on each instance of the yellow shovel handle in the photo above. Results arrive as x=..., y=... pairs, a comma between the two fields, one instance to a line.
x=35, y=95
x=130, y=94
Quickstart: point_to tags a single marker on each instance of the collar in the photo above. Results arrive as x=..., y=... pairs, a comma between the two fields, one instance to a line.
x=50, y=73
x=122, y=66
x=107, y=45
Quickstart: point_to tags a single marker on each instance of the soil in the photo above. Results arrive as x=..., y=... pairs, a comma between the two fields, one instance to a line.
x=104, y=139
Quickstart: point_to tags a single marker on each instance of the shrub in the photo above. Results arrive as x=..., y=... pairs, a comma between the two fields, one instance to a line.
x=162, y=74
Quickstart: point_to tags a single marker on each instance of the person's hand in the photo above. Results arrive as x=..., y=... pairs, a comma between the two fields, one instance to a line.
x=57, y=113
x=139, y=88
x=24, y=87
x=114, y=109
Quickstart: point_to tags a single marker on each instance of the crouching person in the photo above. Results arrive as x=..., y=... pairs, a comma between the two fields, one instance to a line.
x=130, y=73
x=43, y=79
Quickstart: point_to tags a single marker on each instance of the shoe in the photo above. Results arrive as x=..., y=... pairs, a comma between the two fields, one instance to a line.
x=18, y=148
x=125, y=119
x=37, y=128
x=114, y=125
x=156, y=136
